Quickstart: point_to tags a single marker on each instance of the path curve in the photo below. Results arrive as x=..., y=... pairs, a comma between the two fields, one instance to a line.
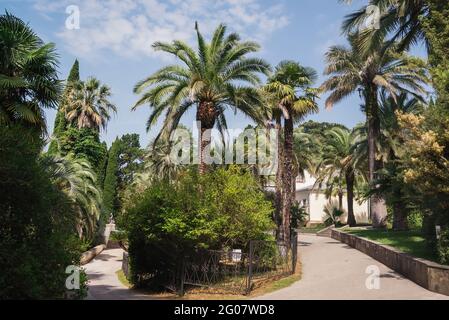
x=332, y=270
x=103, y=280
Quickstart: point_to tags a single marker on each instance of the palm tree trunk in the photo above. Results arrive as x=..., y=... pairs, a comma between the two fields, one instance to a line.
x=378, y=208
x=206, y=117
x=278, y=192
x=400, y=211
x=350, y=190
x=400, y=214
x=205, y=140
x=340, y=199
x=287, y=180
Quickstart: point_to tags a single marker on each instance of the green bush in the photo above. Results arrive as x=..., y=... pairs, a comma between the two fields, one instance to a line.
x=37, y=224
x=415, y=220
x=169, y=221
x=443, y=247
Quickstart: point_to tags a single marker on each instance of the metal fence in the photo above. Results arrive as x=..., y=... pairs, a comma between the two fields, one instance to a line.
x=235, y=271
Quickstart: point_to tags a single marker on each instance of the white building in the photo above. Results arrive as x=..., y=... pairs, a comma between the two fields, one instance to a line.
x=314, y=200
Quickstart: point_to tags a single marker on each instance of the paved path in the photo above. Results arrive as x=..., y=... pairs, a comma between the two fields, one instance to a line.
x=103, y=281
x=330, y=270
x=333, y=270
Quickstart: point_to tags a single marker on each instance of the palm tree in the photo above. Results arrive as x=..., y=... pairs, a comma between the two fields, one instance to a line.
x=403, y=20
x=212, y=79
x=306, y=147
x=160, y=162
x=338, y=166
x=76, y=179
x=87, y=104
x=391, y=149
x=351, y=71
x=290, y=93
x=28, y=74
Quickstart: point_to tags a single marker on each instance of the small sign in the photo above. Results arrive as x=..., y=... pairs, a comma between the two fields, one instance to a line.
x=236, y=255
x=438, y=232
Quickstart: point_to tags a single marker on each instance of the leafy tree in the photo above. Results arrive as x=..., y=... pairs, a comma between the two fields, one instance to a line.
x=436, y=27
x=87, y=104
x=84, y=144
x=351, y=71
x=292, y=98
x=28, y=74
x=207, y=82
x=60, y=121
x=37, y=224
x=130, y=159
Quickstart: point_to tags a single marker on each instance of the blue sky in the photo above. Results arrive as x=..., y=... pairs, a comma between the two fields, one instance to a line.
x=114, y=41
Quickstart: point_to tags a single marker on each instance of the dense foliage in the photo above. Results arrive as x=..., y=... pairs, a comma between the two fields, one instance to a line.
x=111, y=179
x=37, y=222
x=28, y=74
x=61, y=123
x=170, y=220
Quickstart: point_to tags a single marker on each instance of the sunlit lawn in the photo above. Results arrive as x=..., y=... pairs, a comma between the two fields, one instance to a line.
x=411, y=242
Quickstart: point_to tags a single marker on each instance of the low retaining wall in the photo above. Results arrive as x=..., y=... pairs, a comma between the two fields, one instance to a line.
x=125, y=264
x=87, y=256
x=427, y=274
x=326, y=232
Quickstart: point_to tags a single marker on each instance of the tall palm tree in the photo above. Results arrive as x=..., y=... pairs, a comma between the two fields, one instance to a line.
x=351, y=71
x=215, y=77
x=87, y=104
x=77, y=180
x=28, y=74
x=338, y=166
x=402, y=20
x=391, y=149
x=290, y=92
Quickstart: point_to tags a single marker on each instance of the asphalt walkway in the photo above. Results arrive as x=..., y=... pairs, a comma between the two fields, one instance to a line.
x=332, y=270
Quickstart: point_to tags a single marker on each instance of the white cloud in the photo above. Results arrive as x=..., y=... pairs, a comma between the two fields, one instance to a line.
x=129, y=27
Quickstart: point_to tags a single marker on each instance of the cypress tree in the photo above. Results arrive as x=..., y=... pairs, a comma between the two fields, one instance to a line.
x=111, y=179
x=60, y=120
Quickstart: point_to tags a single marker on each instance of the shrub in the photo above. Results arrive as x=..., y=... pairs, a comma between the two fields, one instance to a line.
x=332, y=214
x=415, y=220
x=443, y=247
x=169, y=221
x=299, y=216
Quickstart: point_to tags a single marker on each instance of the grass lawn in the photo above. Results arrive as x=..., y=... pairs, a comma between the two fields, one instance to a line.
x=411, y=242
x=313, y=229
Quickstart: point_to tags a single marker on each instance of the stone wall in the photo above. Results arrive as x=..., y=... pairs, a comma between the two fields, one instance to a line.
x=125, y=264
x=427, y=274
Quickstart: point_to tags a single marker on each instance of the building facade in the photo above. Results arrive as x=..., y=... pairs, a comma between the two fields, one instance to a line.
x=314, y=200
